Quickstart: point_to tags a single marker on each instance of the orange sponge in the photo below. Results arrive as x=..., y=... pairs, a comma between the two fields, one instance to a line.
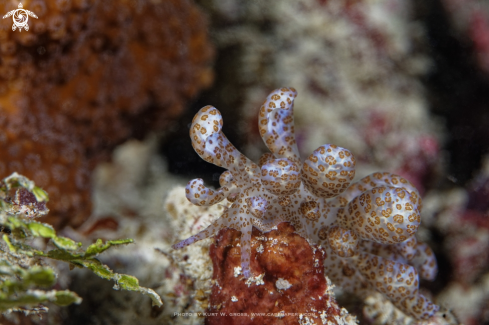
x=86, y=76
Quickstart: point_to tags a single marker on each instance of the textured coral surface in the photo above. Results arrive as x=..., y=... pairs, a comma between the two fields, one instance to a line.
x=144, y=203
x=87, y=76
x=290, y=280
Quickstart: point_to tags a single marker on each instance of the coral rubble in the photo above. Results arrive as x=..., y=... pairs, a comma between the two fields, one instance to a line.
x=367, y=229
x=87, y=76
x=146, y=203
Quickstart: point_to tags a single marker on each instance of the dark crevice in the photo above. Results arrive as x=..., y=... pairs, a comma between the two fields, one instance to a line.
x=458, y=91
x=226, y=97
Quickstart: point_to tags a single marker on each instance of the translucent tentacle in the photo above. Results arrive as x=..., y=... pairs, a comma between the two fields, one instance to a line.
x=246, y=250
x=208, y=232
x=310, y=210
x=213, y=146
x=398, y=281
x=226, y=180
x=328, y=171
x=376, y=180
x=425, y=262
x=408, y=248
x=198, y=194
x=418, y=306
x=276, y=124
x=383, y=214
x=265, y=158
x=258, y=206
x=267, y=224
x=343, y=242
x=281, y=176
x=206, y=122
x=239, y=217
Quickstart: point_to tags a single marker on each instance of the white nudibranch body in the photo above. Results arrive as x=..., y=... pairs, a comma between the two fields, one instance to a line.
x=366, y=228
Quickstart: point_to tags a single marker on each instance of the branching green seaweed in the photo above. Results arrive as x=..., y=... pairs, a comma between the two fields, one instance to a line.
x=22, y=271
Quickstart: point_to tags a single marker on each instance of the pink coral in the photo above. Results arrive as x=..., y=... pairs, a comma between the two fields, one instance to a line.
x=366, y=229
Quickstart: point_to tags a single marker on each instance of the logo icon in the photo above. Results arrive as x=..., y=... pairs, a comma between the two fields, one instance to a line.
x=20, y=18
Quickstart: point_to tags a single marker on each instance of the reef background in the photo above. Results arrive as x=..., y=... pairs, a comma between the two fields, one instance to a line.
x=402, y=84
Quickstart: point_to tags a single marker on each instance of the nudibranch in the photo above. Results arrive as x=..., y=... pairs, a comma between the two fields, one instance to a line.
x=366, y=228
